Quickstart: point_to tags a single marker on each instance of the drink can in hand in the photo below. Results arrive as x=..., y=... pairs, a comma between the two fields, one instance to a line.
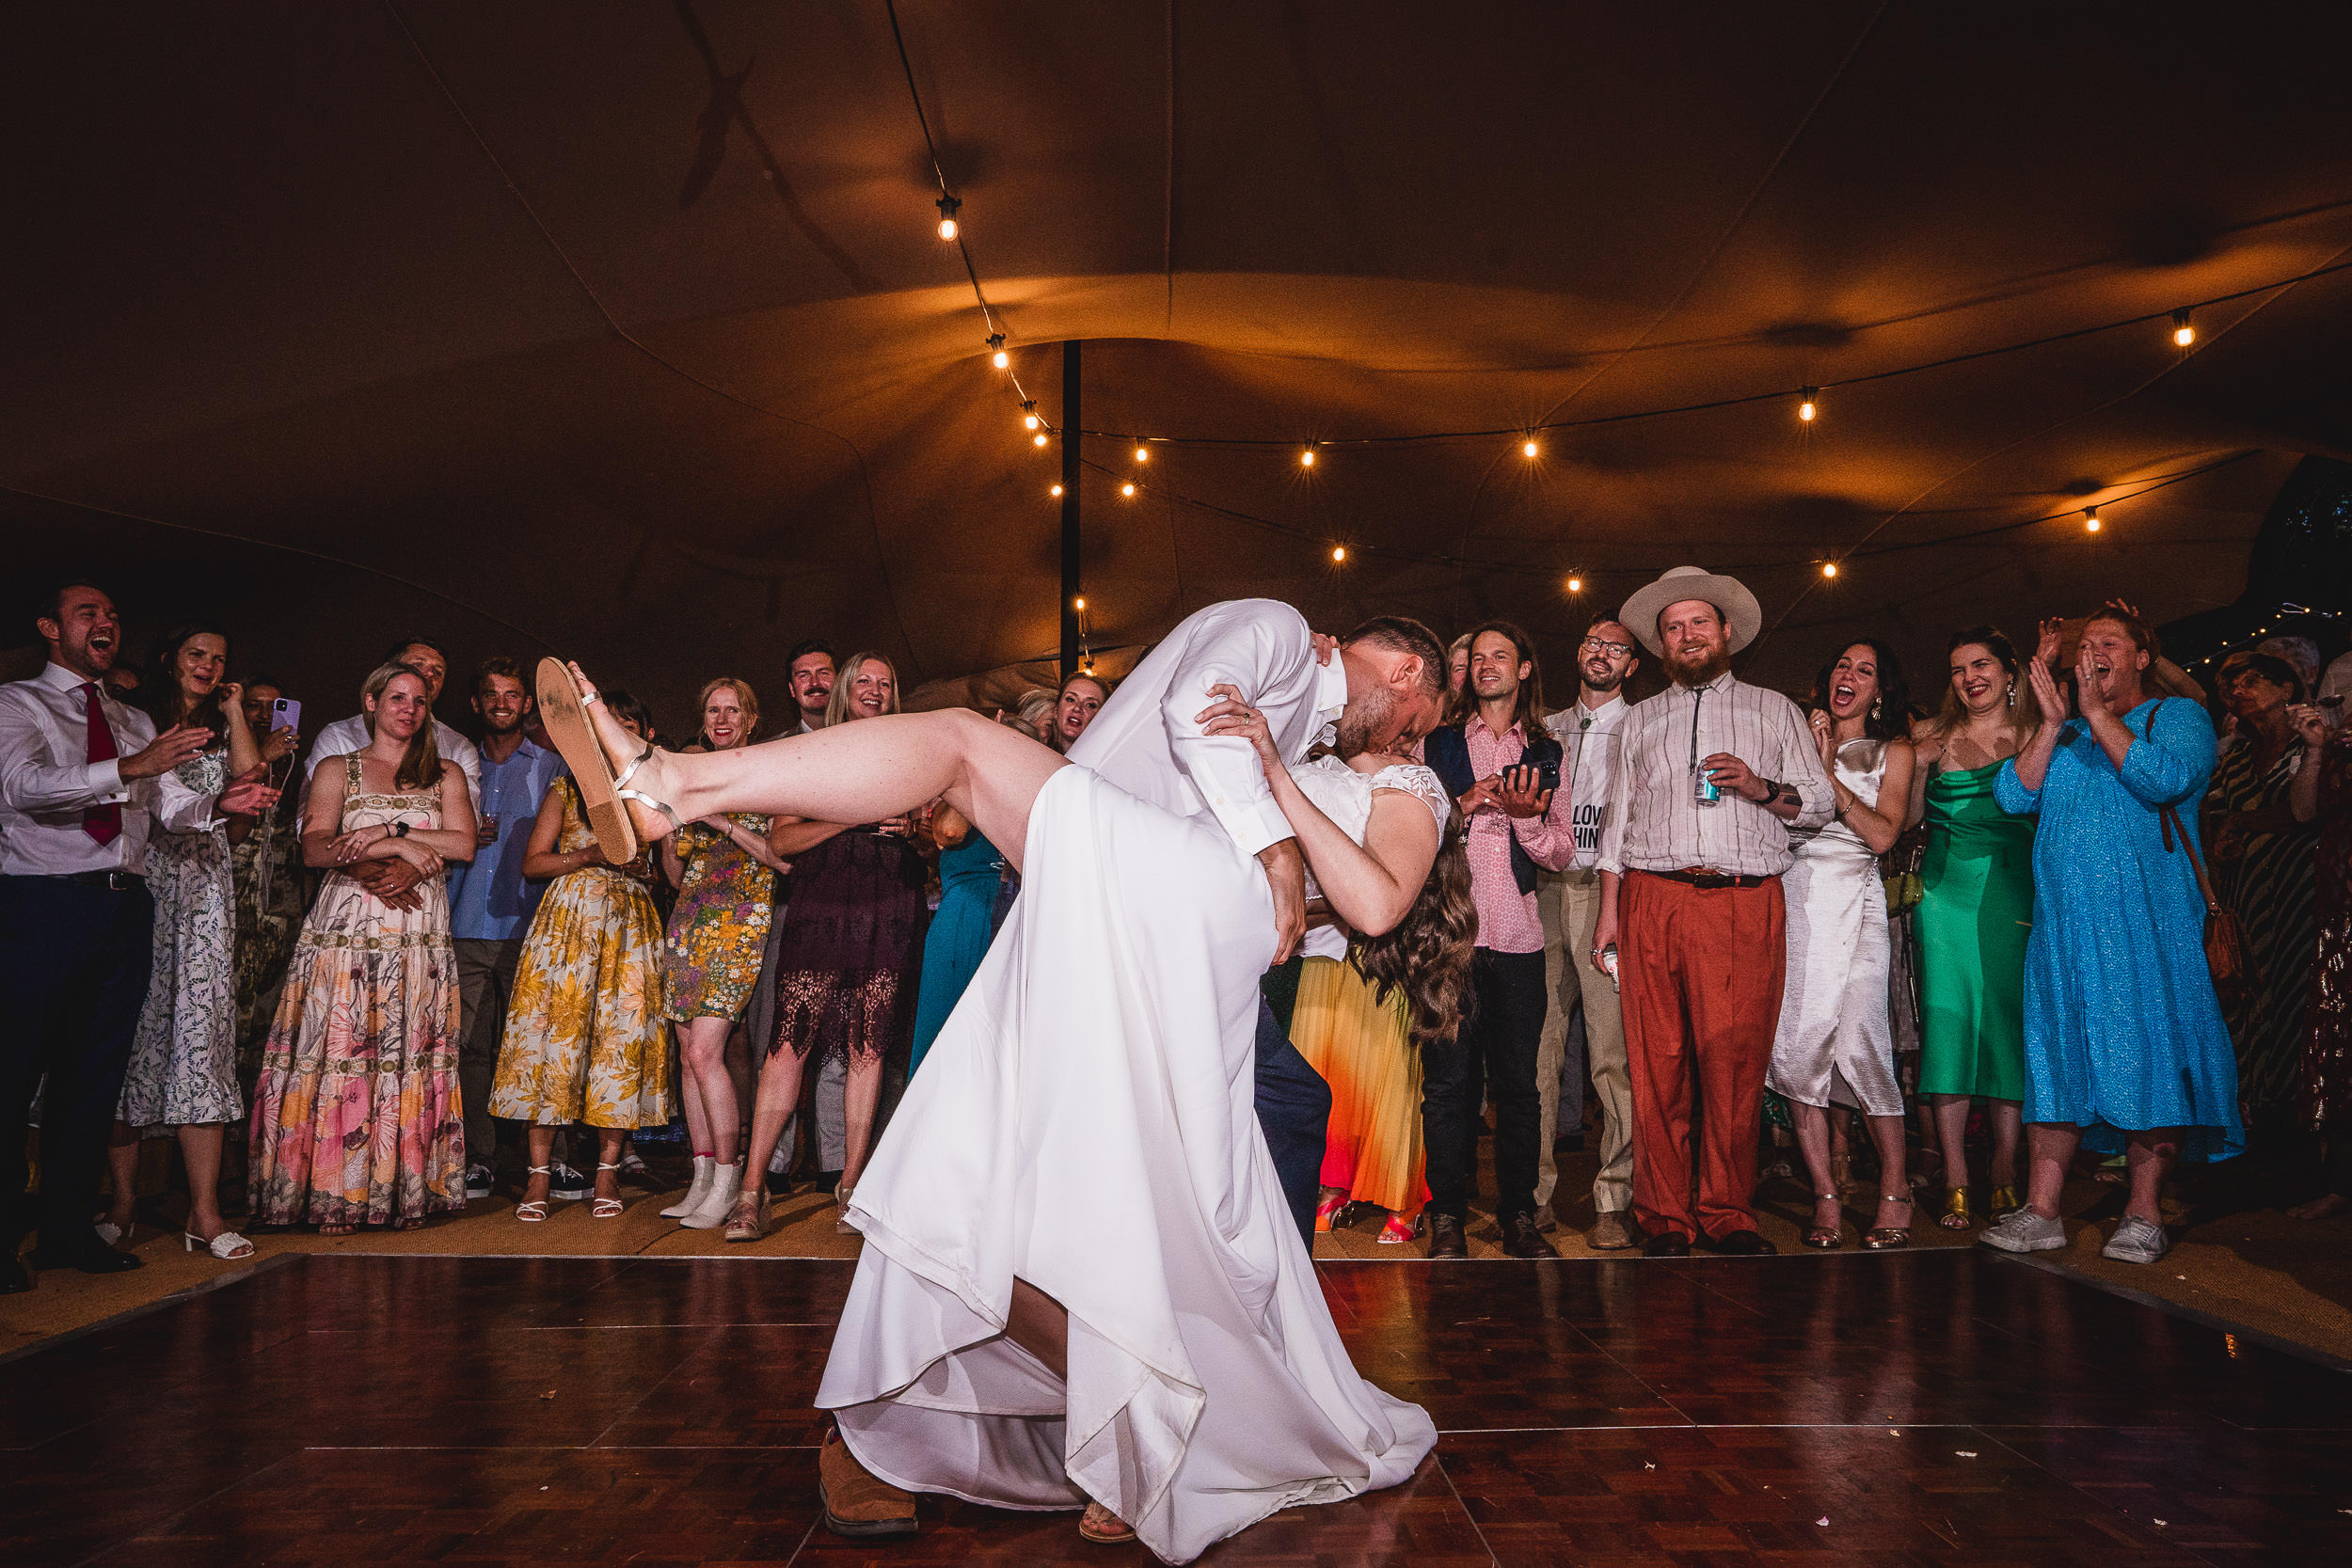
x=1607, y=963
x=1703, y=788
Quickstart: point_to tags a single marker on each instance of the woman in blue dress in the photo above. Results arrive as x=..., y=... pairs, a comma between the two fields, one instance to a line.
x=970, y=871
x=2124, y=1042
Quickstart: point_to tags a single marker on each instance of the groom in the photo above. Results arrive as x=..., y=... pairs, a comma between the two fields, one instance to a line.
x=1376, y=690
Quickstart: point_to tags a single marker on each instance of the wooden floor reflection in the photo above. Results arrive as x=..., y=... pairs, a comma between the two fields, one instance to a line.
x=1946, y=1407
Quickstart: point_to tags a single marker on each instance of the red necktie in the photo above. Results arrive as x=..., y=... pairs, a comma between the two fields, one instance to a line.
x=102, y=823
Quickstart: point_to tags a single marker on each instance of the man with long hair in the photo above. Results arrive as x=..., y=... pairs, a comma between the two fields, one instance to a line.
x=1503, y=768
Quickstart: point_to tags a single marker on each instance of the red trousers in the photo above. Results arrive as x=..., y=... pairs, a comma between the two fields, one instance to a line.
x=1701, y=970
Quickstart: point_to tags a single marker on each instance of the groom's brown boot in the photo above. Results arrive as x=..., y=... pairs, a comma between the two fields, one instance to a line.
x=857, y=1502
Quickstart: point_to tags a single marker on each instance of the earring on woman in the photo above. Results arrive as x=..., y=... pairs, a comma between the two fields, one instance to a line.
x=2013, y=693
x=1877, y=704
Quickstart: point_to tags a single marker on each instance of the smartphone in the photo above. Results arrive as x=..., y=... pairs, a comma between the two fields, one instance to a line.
x=285, y=714
x=1547, y=774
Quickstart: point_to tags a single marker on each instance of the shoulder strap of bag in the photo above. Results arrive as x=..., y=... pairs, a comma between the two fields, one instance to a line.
x=2172, y=823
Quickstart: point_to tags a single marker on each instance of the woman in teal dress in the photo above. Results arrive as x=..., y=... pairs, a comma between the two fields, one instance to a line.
x=1975, y=914
x=970, y=870
x=2125, y=1048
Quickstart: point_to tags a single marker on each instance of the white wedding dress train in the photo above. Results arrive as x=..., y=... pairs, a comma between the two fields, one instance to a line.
x=1084, y=1123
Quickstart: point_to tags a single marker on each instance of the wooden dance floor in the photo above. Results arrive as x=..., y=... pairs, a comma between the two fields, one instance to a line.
x=1949, y=1406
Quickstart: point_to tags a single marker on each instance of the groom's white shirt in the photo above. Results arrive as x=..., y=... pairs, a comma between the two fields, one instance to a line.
x=1147, y=740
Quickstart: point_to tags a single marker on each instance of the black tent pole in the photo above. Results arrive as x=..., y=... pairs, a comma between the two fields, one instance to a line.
x=1069, y=585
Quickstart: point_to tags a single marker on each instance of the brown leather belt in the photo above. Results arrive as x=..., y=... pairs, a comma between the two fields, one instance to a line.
x=1702, y=878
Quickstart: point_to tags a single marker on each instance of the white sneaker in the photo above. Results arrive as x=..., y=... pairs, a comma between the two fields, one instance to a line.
x=2022, y=1230
x=2137, y=1242
x=711, y=1213
x=705, y=1171
x=478, y=1180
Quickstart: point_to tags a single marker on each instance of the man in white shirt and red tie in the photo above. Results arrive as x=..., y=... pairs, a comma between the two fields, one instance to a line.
x=1712, y=774
x=83, y=780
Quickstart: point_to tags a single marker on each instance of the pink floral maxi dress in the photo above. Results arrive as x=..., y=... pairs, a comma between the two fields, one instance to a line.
x=355, y=1119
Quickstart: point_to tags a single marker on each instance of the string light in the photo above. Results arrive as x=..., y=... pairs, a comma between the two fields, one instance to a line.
x=1143, y=454
x=949, y=228
x=2184, y=333
x=1055, y=491
x=1029, y=414
x=996, y=342
x=1128, y=489
x=2090, y=518
x=1808, y=403
x=1829, y=568
x=1307, y=458
x=1038, y=439
x=1079, y=603
x=1528, y=448
x=1576, y=585
x=1338, y=553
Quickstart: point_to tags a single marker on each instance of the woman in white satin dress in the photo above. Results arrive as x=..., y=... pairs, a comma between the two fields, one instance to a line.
x=1082, y=1279
x=1835, y=1042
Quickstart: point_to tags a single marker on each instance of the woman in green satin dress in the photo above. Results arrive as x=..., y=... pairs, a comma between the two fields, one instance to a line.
x=1975, y=917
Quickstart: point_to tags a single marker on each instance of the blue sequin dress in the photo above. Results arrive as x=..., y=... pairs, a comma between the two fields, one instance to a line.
x=2123, y=1030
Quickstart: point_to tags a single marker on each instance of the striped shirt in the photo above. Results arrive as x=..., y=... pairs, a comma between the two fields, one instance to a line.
x=1655, y=823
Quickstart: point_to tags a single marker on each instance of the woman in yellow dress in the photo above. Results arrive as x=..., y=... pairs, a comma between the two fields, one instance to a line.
x=586, y=1040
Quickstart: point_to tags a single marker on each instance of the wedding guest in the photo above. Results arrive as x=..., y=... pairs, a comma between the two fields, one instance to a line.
x=1570, y=900
x=84, y=784
x=266, y=867
x=726, y=881
x=1834, y=1045
x=584, y=1038
x=1712, y=775
x=2124, y=1043
x=1457, y=668
x=2298, y=654
x=846, y=963
x=1082, y=697
x=1034, y=713
x=491, y=904
x=2262, y=865
x=1976, y=911
x=346, y=736
x=2335, y=686
x=355, y=1119
x=1503, y=769
x=183, y=1074
x=2323, y=796
x=808, y=674
x=971, y=870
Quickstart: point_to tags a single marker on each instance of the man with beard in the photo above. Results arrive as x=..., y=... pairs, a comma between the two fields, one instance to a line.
x=1587, y=732
x=808, y=671
x=1712, y=774
x=1504, y=771
x=84, y=781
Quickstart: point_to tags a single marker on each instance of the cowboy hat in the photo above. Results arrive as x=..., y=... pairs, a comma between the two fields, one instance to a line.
x=1740, y=612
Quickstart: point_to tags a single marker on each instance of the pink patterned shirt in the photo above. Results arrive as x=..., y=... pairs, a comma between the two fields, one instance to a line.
x=1507, y=918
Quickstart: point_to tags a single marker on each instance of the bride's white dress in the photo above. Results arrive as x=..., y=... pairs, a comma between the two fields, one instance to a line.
x=1085, y=1122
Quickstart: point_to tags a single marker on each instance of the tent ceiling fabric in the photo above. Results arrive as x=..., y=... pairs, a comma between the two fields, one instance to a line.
x=626, y=328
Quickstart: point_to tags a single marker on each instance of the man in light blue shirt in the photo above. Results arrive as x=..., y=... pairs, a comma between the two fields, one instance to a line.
x=491, y=904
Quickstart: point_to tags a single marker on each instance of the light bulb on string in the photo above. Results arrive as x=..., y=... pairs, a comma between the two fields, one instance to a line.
x=2090, y=518
x=1576, y=585
x=1028, y=415
x=949, y=228
x=1079, y=603
x=1829, y=568
x=2184, y=331
x=1055, y=491
x=1808, y=403
x=1038, y=439
x=1339, y=553
x=1128, y=489
x=1528, y=448
x=1307, y=458
x=1143, y=454
x=1001, y=359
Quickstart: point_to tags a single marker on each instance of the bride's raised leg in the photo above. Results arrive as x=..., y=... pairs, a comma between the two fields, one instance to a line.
x=860, y=772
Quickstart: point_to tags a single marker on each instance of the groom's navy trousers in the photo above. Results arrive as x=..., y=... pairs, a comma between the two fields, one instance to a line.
x=1293, y=1111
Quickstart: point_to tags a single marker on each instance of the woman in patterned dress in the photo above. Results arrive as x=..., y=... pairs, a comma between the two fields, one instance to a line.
x=586, y=1040
x=182, y=1076
x=265, y=865
x=726, y=885
x=2323, y=796
x=355, y=1119
x=847, y=960
x=2262, y=864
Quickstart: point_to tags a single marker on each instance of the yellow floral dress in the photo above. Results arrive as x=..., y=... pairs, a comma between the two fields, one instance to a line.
x=586, y=1040
x=719, y=931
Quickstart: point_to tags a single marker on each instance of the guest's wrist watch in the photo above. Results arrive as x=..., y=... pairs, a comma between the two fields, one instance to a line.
x=400, y=830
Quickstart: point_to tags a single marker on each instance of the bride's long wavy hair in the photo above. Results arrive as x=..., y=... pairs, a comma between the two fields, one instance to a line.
x=1427, y=954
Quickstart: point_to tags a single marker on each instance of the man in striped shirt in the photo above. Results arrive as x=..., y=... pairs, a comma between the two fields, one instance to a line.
x=1712, y=774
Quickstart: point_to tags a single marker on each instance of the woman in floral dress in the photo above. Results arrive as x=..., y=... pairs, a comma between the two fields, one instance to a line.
x=726, y=881
x=182, y=1076
x=586, y=1038
x=355, y=1119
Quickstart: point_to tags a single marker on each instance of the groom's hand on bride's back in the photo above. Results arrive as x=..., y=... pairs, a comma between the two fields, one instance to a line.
x=1286, y=877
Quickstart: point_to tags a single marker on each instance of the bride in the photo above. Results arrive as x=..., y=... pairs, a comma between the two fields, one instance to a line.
x=1083, y=1284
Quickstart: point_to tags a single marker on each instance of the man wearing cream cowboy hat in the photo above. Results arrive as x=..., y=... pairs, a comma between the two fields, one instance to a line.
x=1712, y=774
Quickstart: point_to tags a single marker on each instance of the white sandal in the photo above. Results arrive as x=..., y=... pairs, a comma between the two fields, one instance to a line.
x=532, y=1210
x=228, y=1246
x=606, y=1208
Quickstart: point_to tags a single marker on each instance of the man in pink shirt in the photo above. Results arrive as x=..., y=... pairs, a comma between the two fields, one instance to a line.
x=1503, y=770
